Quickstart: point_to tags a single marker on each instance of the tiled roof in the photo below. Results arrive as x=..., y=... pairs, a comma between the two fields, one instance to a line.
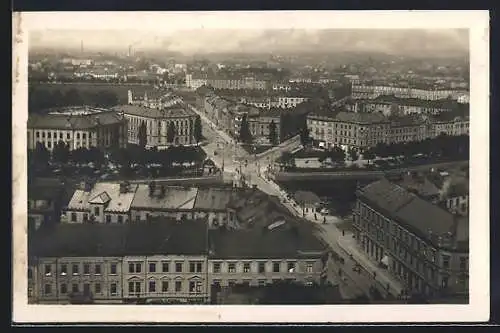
x=214, y=198
x=176, y=197
x=103, y=192
x=283, y=242
x=427, y=220
x=157, y=236
x=76, y=122
x=173, y=111
x=164, y=236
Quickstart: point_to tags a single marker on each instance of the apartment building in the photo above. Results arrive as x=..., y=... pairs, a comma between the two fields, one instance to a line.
x=420, y=243
x=281, y=250
x=360, y=130
x=260, y=125
x=389, y=105
x=368, y=91
x=134, y=263
x=77, y=263
x=159, y=122
x=166, y=260
x=287, y=102
x=349, y=130
x=194, y=81
x=103, y=202
x=78, y=127
x=155, y=99
x=122, y=203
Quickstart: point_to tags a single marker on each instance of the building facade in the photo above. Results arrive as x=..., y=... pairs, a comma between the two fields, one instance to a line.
x=367, y=91
x=419, y=243
x=155, y=99
x=80, y=127
x=159, y=123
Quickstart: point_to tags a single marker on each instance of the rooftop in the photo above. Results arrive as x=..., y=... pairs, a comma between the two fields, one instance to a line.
x=350, y=117
x=174, y=111
x=156, y=236
x=425, y=219
x=73, y=121
x=175, y=197
x=108, y=194
x=284, y=241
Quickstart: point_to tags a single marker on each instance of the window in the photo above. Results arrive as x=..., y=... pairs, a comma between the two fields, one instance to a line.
x=68, y=136
x=152, y=286
x=113, y=289
x=178, y=286
x=112, y=269
x=48, y=270
x=194, y=286
x=152, y=267
x=309, y=268
x=86, y=289
x=232, y=268
x=97, y=288
x=217, y=267
x=290, y=267
x=198, y=267
x=134, y=287
x=178, y=267
x=64, y=269
x=73, y=217
x=86, y=269
x=165, y=266
x=276, y=267
x=120, y=219
x=97, y=269
x=446, y=262
x=47, y=289
x=134, y=268
x=108, y=218
x=262, y=267
x=164, y=286
x=49, y=135
x=96, y=211
x=84, y=136
x=246, y=267
x=463, y=263
x=192, y=267
x=74, y=288
x=74, y=269
x=64, y=288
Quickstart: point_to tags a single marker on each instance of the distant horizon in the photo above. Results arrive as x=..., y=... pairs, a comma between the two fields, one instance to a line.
x=189, y=42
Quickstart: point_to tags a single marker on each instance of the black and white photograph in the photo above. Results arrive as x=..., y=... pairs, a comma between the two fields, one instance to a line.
x=195, y=166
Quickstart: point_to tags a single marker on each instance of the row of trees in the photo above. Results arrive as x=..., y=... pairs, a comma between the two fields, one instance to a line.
x=135, y=154
x=62, y=154
x=442, y=146
x=40, y=98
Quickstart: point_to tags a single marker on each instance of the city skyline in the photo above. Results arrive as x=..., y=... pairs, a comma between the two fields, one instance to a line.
x=444, y=42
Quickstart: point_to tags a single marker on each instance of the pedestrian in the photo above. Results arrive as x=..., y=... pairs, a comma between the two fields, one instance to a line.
x=324, y=219
x=343, y=233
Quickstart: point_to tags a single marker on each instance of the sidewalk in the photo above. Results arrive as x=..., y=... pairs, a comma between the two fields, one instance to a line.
x=348, y=244
x=224, y=135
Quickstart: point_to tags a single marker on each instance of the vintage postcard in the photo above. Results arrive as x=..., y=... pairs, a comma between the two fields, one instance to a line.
x=259, y=167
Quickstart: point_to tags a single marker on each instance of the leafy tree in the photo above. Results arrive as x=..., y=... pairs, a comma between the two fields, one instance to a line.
x=60, y=153
x=105, y=98
x=287, y=159
x=369, y=155
x=273, y=136
x=142, y=135
x=245, y=134
x=353, y=154
x=171, y=132
x=337, y=154
x=41, y=154
x=197, y=130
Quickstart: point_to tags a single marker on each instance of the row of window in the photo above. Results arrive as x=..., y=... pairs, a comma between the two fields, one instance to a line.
x=75, y=269
x=54, y=135
x=134, y=287
x=194, y=267
x=120, y=218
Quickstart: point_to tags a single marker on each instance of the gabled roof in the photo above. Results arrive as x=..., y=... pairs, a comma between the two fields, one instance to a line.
x=100, y=199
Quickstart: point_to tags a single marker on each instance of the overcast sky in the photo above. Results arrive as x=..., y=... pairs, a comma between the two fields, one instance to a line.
x=249, y=32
